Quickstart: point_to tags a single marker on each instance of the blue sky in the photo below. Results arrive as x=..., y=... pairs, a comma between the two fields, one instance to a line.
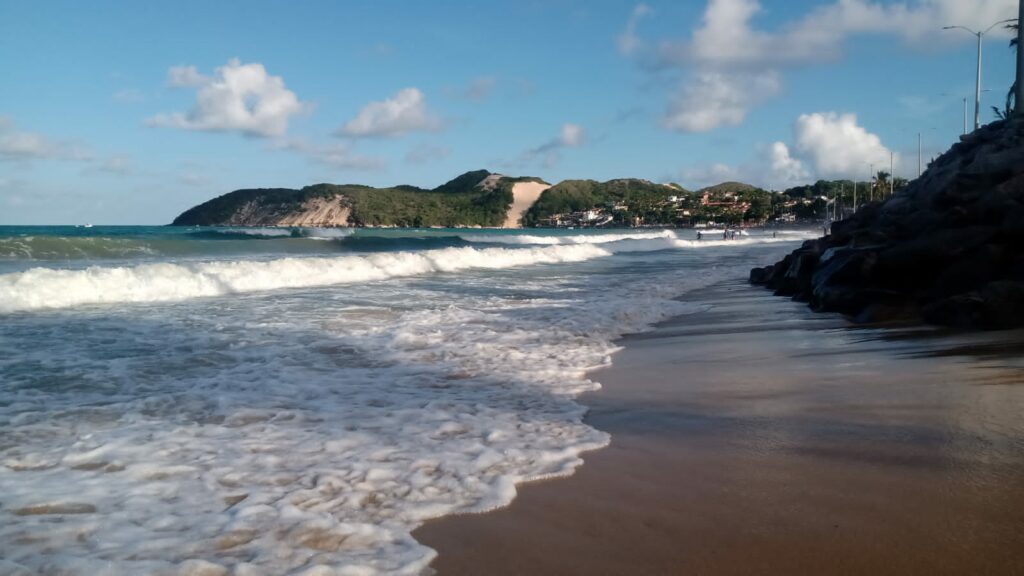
x=130, y=112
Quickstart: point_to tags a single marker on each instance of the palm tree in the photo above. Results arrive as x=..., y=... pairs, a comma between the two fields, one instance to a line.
x=882, y=182
x=1010, y=105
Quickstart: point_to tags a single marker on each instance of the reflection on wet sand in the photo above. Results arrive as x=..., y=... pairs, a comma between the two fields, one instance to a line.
x=758, y=438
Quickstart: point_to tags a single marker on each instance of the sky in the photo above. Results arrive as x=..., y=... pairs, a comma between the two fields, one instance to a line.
x=126, y=112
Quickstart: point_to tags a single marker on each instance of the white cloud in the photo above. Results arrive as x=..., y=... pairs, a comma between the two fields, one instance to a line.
x=129, y=96
x=335, y=155
x=836, y=146
x=783, y=169
x=628, y=42
x=773, y=169
x=701, y=176
x=237, y=98
x=427, y=153
x=727, y=46
x=185, y=77
x=23, y=144
x=826, y=145
x=192, y=177
x=727, y=36
x=480, y=89
x=572, y=136
x=569, y=136
x=402, y=113
x=16, y=145
x=119, y=164
x=714, y=99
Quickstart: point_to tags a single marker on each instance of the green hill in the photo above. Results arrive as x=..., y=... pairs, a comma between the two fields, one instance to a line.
x=579, y=195
x=459, y=202
x=729, y=187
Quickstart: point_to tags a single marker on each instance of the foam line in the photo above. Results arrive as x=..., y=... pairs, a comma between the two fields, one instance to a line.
x=41, y=288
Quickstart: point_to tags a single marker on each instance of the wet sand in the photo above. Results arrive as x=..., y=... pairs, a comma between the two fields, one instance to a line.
x=759, y=438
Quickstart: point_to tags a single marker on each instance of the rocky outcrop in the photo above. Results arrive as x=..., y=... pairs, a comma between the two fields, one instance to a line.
x=318, y=213
x=948, y=250
x=311, y=212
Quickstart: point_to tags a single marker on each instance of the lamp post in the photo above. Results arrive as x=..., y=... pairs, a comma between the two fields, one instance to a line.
x=964, y=100
x=919, y=155
x=892, y=173
x=965, y=114
x=977, y=84
x=872, y=181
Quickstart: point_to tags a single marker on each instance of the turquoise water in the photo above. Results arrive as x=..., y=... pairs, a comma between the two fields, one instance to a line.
x=22, y=246
x=274, y=400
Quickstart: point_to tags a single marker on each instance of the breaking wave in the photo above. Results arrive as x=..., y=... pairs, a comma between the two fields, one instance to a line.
x=41, y=288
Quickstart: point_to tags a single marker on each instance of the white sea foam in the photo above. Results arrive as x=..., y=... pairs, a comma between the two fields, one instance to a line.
x=636, y=241
x=310, y=431
x=52, y=288
x=325, y=233
x=272, y=232
x=570, y=239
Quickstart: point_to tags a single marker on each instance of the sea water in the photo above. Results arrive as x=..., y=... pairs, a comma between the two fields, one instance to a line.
x=296, y=401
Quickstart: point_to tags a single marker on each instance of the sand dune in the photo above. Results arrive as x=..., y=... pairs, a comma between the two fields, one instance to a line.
x=524, y=194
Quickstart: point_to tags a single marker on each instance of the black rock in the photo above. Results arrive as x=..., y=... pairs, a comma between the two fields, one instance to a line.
x=949, y=249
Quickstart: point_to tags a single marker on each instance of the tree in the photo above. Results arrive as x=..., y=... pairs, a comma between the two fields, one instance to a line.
x=882, y=182
x=1010, y=104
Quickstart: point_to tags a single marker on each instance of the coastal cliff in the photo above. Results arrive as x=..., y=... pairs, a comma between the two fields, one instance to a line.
x=948, y=250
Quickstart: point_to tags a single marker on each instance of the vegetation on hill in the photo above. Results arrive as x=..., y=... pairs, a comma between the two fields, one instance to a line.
x=630, y=202
x=462, y=201
x=641, y=196
x=276, y=201
x=459, y=202
x=446, y=207
x=729, y=187
x=464, y=183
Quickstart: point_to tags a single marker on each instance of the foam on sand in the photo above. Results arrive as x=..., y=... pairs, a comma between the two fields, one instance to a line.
x=630, y=241
x=304, y=432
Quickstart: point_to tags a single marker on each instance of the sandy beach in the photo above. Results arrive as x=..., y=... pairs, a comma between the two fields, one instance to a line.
x=524, y=194
x=759, y=438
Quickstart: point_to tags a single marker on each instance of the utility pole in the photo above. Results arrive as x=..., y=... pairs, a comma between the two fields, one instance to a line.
x=977, y=85
x=892, y=170
x=855, y=195
x=919, y=155
x=873, y=181
x=965, y=109
x=977, y=89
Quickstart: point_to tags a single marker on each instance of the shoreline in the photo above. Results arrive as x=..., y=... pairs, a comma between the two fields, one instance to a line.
x=758, y=436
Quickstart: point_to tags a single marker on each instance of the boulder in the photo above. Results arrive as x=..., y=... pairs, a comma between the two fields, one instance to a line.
x=949, y=249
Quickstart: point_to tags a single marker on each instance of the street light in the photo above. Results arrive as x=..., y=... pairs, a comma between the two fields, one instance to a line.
x=872, y=181
x=977, y=85
x=964, y=100
x=892, y=172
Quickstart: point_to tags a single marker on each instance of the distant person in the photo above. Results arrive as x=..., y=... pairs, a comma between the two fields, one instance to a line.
x=725, y=234
x=700, y=235
x=773, y=234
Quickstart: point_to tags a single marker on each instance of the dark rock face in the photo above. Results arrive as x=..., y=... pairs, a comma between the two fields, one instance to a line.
x=948, y=250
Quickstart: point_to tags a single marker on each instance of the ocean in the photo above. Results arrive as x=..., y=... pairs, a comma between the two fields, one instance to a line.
x=297, y=401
